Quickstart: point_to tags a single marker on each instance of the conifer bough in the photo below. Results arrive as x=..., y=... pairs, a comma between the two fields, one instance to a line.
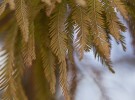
x=40, y=35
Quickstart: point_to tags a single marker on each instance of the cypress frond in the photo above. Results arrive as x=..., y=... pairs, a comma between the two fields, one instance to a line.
x=48, y=59
x=70, y=36
x=88, y=46
x=115, y=27
x=28, y=48
x=32, y=41
x=58, y=42
x=121, y=7
x=74, y=80
x=63, y=79
x=100, y=41
x=19, y=68
x=112, y=20
x=22, y=18
x=40, y=84
x=25, y=53
x=8, y=85
x=81, y=19
x=57, y=34
x=131, y=13
x=10, y=89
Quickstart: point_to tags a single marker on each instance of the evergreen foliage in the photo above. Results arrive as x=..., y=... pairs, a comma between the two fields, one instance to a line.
x=40, y=34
